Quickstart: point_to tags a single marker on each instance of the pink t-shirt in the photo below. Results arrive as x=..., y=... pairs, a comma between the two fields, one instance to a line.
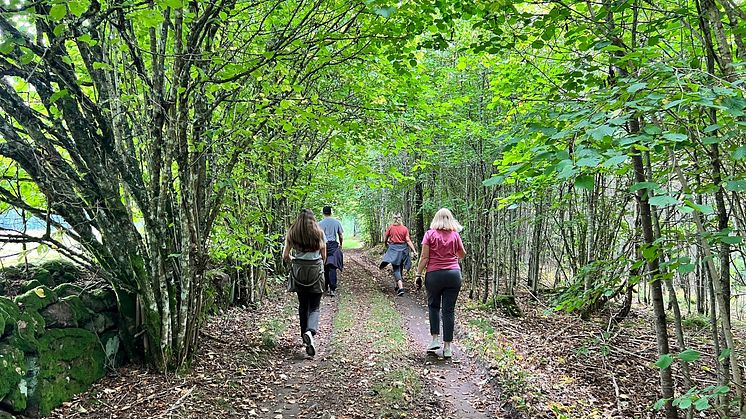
x=444, y=248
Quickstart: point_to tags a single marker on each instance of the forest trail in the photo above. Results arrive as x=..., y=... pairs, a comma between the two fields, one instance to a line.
x=371, y=360
x=370, y=363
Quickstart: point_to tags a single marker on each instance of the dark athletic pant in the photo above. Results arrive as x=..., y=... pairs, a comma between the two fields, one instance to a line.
x=398, y=269
x=330, y=277
x=442, y=291
x=308, y=311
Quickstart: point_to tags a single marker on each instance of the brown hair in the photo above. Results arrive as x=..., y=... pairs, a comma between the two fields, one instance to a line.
x=305, y=234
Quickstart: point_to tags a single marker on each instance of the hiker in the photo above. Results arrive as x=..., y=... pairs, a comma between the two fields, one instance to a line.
x=305, y=249
x=441, y=250
x=397, y=255
x=332, y=229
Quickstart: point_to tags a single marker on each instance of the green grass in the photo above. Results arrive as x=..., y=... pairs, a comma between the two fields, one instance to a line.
x=385, y=322
x=352, y=243
x=272, y=329
x=344, y=321
x=398, y=387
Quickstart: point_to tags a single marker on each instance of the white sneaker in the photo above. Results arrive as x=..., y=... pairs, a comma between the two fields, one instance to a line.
x=447, y=352
x=310, y=345
x=433, y=346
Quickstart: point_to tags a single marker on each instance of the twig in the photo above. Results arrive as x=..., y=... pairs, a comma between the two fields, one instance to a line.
x=179, y=402
x=215, y=338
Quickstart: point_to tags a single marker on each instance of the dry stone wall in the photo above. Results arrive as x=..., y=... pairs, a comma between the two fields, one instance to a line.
x=54, y=342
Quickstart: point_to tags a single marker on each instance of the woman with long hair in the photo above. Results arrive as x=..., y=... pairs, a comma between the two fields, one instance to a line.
x=442, y=249
x=305, y=249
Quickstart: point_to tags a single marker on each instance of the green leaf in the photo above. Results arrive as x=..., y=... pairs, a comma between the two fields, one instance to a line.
x=87, y=39
x=602, y=131
x=722, y=389
x=615, y=161
x=78, y=7
x=686, y=268
x=584, y=182
x=675, y=137
x=59, y=29
x=659, y=404
x=689, y=355
x=705, y=209
x=685, y=403
x=711, y=128
x=174, y=4
x=386, y=11
x=636, y=87
x=99, y=65
x=702, y=403
x=732, y=239
x=662, y=201
x=740, y=153
x=736, y=185
x=725, y=354
x=57, y=95
x=651, y=186
x=6, y=47
x=664, y=361
x=588, y=162
x=495, y=180
x=58, y=12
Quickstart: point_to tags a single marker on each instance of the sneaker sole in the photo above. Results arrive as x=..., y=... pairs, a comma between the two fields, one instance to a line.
x=310, y=349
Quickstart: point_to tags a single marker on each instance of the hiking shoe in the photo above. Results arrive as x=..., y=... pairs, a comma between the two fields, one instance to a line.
x=400, y=292
x=332, y=293
x=447, y=352
x=310, y=346
x=433, y=346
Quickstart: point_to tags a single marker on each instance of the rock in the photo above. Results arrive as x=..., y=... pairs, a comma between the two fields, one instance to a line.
x=101, y=322
x=506, y=304
x=9, y=312
x=18, y=399
x=112, y=345
x=15, y=273
x=61, y=271
x=36, y=299
x=30, y=284
x=29, y=326
x=101, y=299
x=64, y=290
x=67, y=312
x=70, y=360
x=12, y=369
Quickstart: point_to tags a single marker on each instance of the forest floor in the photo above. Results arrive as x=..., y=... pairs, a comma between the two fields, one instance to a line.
x=371, y=362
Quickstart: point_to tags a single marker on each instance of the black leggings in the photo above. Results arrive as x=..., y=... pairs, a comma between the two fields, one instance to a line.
x=308, y=311
x=442, y=287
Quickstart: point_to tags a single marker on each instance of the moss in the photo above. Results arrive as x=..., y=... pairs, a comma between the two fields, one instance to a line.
x=64, y=290
x=101, y=299
x=70, y=360
x=61, y=271
x=29, y=326
x=14, y=273
x=67, y=312
x=12, y=369
x=36, y=299
x=30, y=284
x=506, y=304
x=9, y=313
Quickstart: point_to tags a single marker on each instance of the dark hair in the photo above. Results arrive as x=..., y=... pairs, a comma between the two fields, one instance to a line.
x=305, y=234
x=327, y=210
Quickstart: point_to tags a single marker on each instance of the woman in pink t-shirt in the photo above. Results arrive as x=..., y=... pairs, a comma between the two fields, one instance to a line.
x=441, y=250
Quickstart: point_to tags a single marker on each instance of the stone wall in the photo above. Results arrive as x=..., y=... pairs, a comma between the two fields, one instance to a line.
x=54, y=343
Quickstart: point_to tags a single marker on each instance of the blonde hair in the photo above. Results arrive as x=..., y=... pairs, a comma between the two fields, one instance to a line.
x=444, y=220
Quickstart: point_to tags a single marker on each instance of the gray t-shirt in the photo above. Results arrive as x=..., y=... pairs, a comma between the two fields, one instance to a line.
x=331, y=227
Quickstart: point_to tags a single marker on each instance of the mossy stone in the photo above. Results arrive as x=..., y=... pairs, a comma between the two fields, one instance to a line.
x=101, y=322
x=63, y=290
x=14, y=273
x=61, y=271
x=30, y=284
x=29, y=326
x=67, y=312
x=70, y=360
x=12, y=368
x=9, y=312
x=36, y=299
x=101, y=299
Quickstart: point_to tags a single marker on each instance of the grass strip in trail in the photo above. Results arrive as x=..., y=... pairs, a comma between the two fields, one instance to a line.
x=399, y=383
x=272, y=329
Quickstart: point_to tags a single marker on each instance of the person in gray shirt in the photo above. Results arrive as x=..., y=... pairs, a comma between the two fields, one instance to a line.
x=332, y=229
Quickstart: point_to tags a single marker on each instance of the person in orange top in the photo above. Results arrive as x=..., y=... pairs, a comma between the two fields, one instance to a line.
x=397, y=255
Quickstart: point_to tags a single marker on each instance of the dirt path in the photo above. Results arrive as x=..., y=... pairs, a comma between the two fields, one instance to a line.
x=370, y=363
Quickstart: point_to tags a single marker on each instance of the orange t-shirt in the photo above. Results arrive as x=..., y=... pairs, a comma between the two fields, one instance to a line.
x=397, y=233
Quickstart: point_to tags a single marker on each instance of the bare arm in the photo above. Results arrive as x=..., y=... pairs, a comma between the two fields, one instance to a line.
x=323, y=251
x=286, y=251
x=340, y=239
x=411, y=245
x=423, y=259
x=461, y=253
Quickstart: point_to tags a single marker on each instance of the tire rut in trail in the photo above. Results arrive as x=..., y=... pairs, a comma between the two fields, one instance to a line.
x=364, y=366
x=463, y=382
